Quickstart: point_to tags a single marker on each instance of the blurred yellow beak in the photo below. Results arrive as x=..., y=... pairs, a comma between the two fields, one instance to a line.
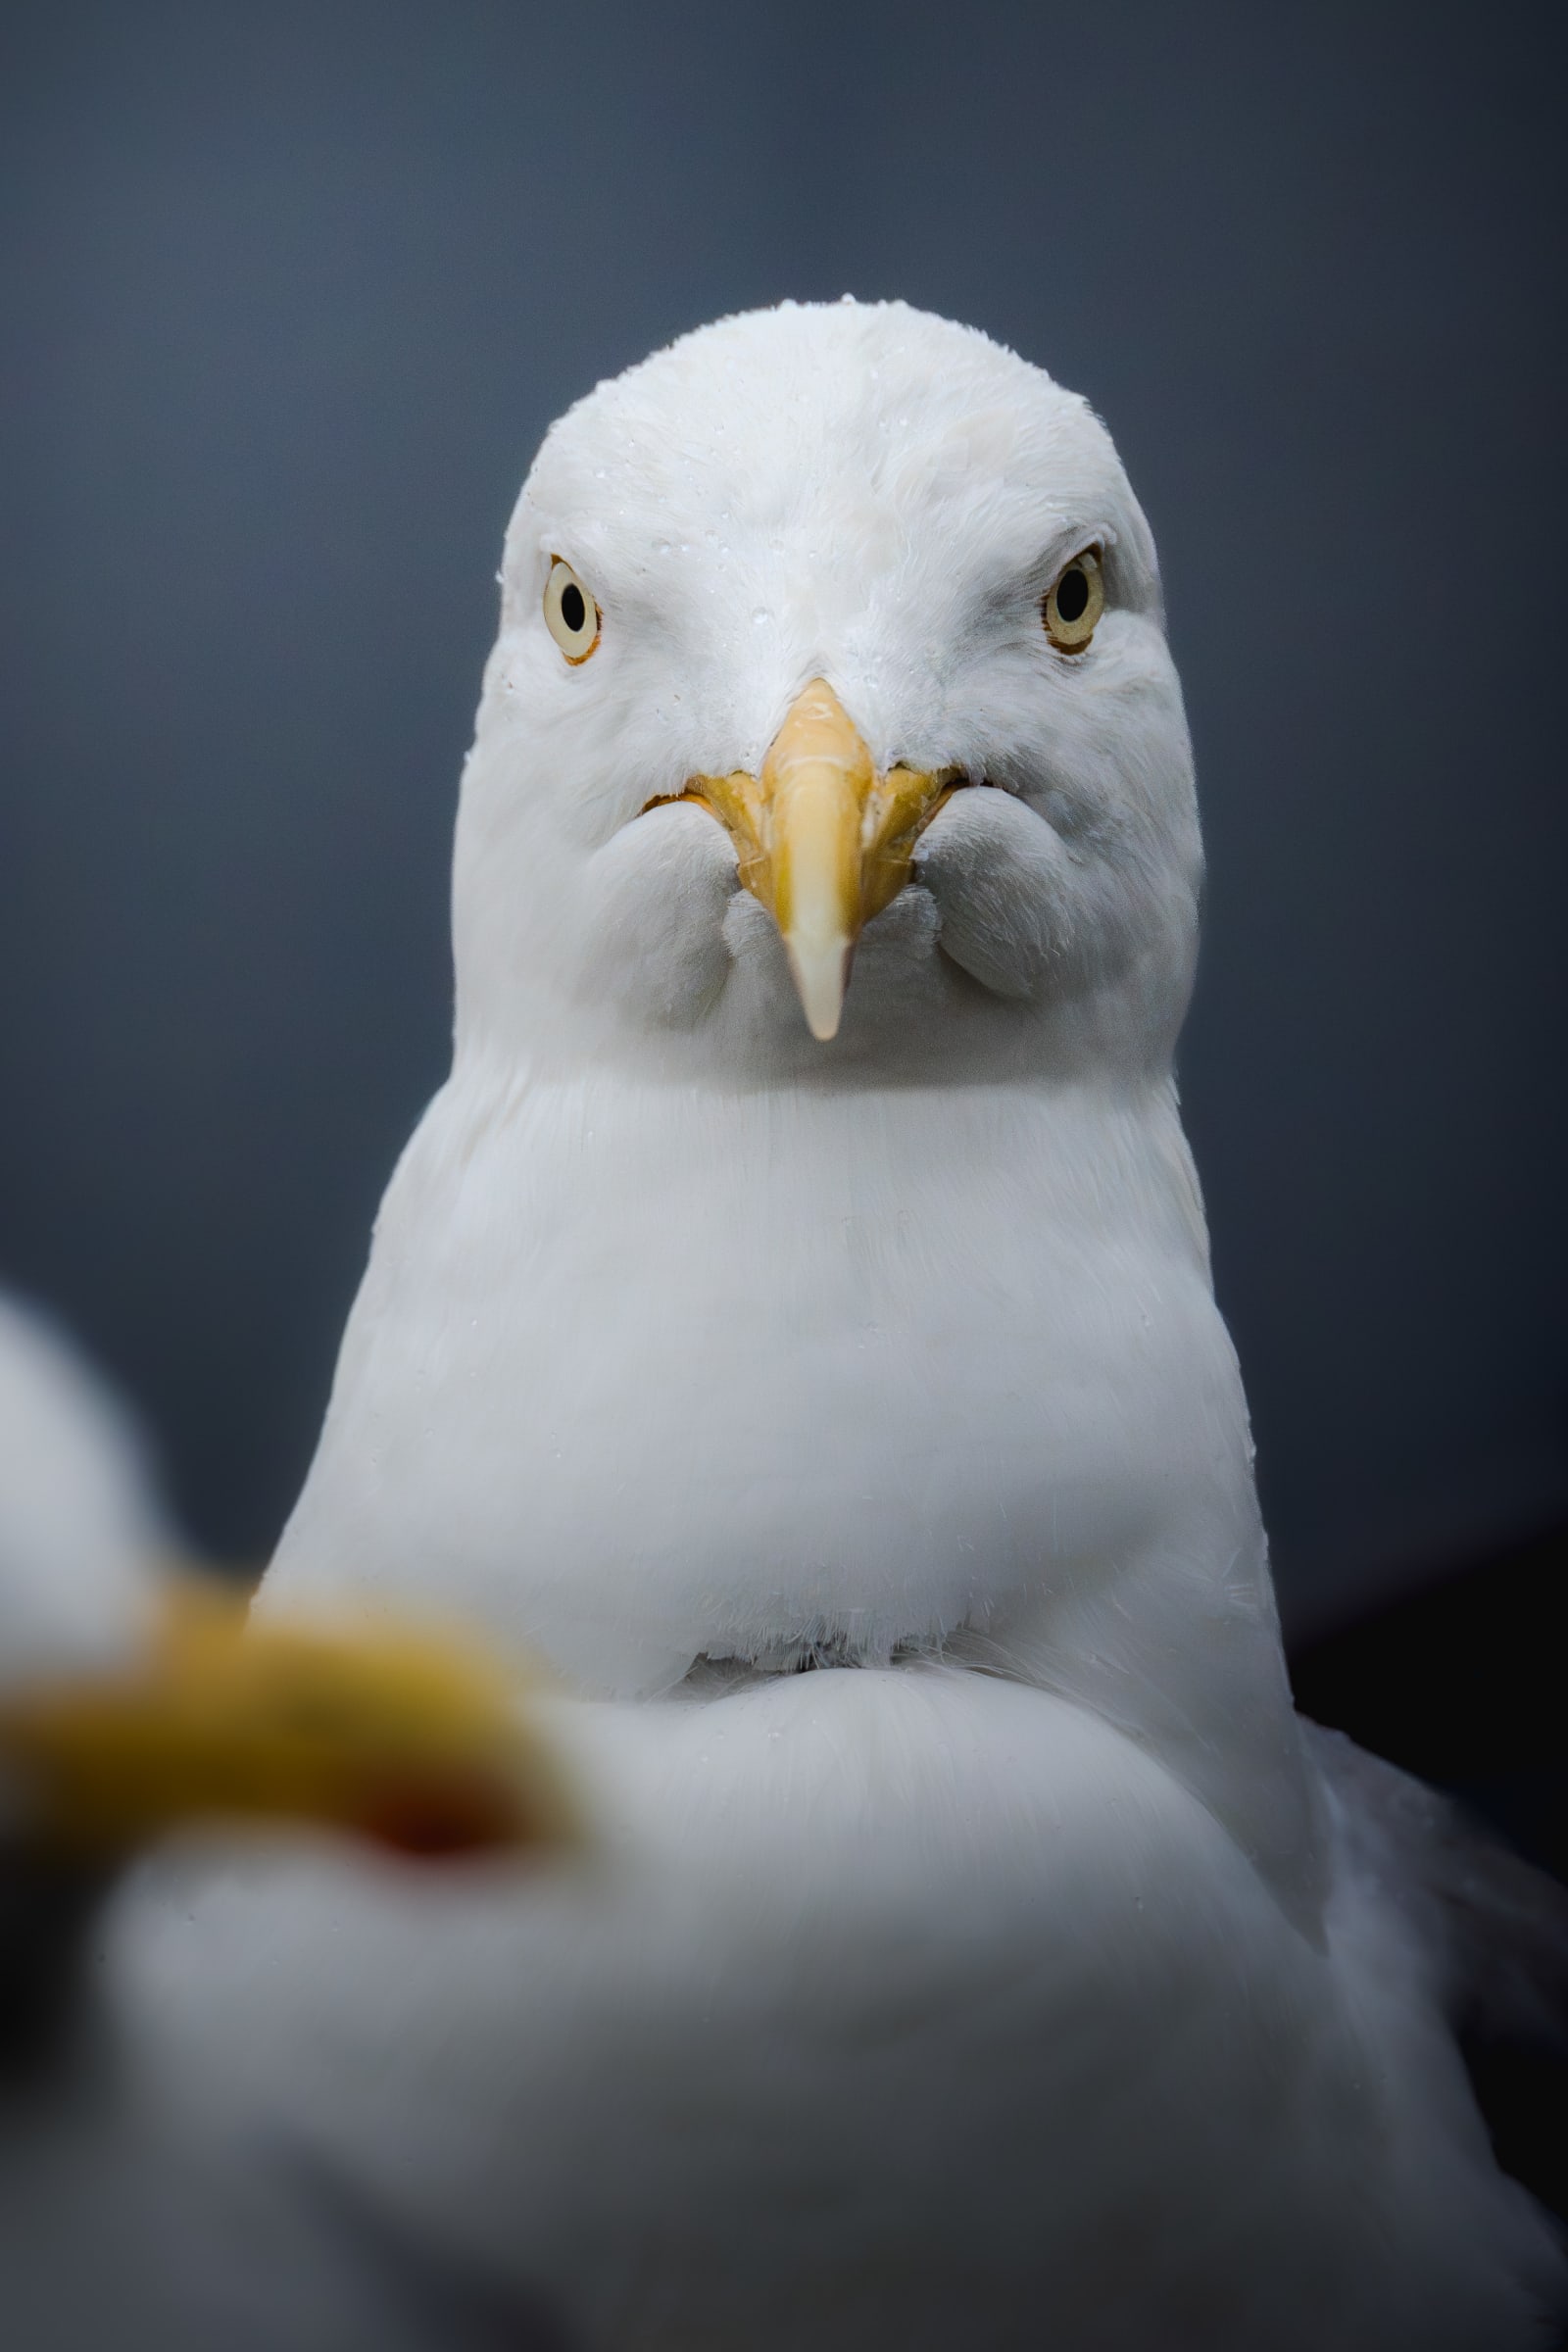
x=389, y=1735
x=823, y=842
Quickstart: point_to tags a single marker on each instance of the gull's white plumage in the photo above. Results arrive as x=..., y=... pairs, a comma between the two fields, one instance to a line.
x=904, y=2007
x=78, y=1525
x=1009, y=1977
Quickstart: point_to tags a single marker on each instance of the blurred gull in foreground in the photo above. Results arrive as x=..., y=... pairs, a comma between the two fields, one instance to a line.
x=1024, y=1973
x=132, y=1704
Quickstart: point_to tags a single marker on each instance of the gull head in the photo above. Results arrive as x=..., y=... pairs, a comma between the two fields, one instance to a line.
x=831, y=724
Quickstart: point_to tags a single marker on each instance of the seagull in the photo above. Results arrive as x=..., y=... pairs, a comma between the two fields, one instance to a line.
x=793, y=1319
x=133, y=1701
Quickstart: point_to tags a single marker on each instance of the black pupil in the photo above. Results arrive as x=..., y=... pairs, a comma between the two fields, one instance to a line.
x=1072, y=594
x=573, y=611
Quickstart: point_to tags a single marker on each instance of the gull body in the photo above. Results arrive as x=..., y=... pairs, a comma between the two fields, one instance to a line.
x=132, y=2211
x=900, y=2006
x=1025, y=1970
x=687, y=1335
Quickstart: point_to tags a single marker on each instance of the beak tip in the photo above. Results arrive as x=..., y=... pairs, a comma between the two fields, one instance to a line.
x=821, y=975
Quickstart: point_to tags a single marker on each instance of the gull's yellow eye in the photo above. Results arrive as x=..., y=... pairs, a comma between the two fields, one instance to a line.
x=1075, y=601
x=571, y=613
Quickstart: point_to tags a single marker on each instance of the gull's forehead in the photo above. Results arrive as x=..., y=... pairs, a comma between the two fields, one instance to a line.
x=841, y=433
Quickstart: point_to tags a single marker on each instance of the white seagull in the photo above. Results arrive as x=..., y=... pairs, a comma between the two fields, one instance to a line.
x=133, y=1703
x=1027, y=1974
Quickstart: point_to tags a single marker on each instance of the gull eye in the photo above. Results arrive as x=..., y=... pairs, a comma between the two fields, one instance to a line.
x=1075, y=601
x=571, y=614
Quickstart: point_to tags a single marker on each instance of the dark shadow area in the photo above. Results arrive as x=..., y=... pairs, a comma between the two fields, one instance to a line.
x=1462, y=1684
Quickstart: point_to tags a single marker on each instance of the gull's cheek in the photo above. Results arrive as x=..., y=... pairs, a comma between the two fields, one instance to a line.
x=657, y=891
x=1003, y=883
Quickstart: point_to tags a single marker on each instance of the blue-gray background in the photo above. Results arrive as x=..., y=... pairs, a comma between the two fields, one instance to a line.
x=290, y=293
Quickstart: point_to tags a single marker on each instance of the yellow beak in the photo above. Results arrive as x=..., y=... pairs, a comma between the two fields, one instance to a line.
x=823, y=842
x=389, y=1735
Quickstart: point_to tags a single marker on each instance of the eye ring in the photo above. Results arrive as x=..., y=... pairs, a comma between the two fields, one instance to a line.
x=1072, y=604
x=571, y=616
